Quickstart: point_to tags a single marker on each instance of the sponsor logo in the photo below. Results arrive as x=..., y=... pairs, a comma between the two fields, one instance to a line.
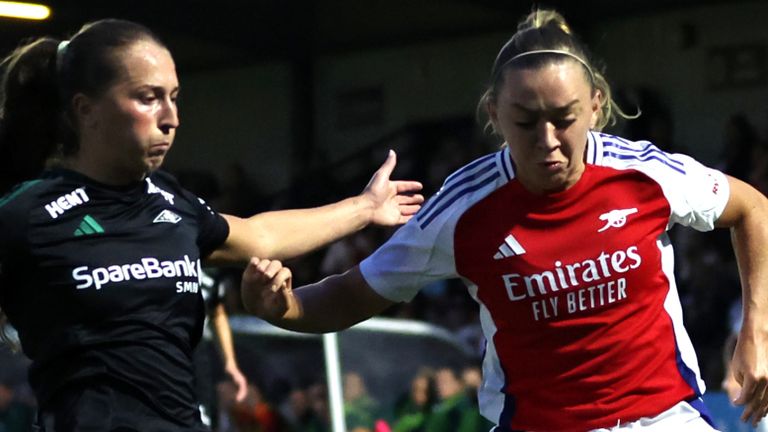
x=88, y=226
x=566, y=276
x=511, y=247
x=167, y=216
x=67, y=201
x=151, y=188
x=145, y=268
x=576, y=287
x=616, y=218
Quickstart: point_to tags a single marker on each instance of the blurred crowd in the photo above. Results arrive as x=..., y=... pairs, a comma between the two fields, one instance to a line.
x=437, y=400
x=443, y=399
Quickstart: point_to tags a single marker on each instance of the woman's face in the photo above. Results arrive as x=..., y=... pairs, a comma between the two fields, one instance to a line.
x=134, y=122
x=544, y=115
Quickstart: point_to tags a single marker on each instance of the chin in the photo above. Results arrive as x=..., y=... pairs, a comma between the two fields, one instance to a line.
x=153, y=164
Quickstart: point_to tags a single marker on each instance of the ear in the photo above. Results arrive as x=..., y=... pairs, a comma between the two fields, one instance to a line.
x=84, y=111
x=596, y=104
x=493, y=114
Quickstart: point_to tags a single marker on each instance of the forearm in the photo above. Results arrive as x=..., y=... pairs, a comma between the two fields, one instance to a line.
x=335, y=303
x=749, y=234
x=286, y=234
x=224, y=336
x=290, y=233
x=749, y=242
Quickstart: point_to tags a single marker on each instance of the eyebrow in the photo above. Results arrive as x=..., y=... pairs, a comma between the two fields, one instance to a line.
x=566, y=109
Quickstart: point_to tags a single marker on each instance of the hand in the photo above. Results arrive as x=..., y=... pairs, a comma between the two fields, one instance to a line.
x=240, y=382
x=393, y=201
x=267, y=289
x=750, y=368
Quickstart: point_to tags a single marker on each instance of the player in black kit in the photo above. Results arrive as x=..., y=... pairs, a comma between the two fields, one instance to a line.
x=100, y=254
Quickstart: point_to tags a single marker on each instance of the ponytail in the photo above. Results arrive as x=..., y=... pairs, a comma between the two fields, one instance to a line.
x=29, y=111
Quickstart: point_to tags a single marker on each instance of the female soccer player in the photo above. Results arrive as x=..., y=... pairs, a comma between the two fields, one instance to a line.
x=100, y=254
x=561, y=237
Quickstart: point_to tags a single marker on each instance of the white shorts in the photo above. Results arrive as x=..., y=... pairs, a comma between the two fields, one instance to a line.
x=681, y=417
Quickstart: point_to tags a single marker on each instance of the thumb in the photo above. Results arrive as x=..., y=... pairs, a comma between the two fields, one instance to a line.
x=389, y=165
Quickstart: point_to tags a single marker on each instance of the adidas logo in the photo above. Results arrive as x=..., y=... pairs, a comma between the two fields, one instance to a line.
x=167, y=216
x=88, y=226
x=509, y=248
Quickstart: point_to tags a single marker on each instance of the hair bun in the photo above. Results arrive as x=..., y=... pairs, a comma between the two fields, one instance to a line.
x=544, y=18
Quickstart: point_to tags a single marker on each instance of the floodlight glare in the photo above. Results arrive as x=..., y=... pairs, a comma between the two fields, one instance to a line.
x=24, y=10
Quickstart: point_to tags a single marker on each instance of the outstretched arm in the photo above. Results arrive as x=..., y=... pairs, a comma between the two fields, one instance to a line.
x=335, y=303
x=290, y=233
x=746, y=214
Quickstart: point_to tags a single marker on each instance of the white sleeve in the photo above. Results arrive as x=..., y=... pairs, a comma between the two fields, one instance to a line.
x=412, y=258
x=697, y=198
x=422, y=251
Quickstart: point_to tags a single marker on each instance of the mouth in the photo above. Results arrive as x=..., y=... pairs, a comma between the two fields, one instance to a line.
x=551, y=165
x=159, y=149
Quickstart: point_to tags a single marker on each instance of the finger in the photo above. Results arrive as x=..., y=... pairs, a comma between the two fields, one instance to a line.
x=753, y=411
x=389, y=165
x=273, y=267
x=269, y=268
x=408, y=186
x=747, y=388
x=746, y=398
x=758, y=401
x=251, y=270
x=262, y=266
x=242, y=390
x=409, y=210
x=409, y=199
x=762, y=409
x=283, y=280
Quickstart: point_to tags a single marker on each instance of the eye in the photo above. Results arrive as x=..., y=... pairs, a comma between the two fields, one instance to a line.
x=147, y=98
x=527, y=125
x=563, y=123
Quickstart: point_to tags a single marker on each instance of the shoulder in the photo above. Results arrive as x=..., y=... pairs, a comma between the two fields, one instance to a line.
x=620, y=153
x=29, y=194
x=18, y=206
x=466, y=186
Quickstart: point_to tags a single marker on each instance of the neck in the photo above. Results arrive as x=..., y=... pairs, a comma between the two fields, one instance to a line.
x=103, y=172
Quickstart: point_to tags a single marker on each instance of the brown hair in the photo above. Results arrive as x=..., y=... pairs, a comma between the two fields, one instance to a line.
x=39, y=80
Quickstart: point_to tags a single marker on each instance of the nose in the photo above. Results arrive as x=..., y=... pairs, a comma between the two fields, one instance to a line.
x=546, y=135
x=169, y=116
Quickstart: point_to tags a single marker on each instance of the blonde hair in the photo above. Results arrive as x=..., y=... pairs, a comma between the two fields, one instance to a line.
x=544, y=37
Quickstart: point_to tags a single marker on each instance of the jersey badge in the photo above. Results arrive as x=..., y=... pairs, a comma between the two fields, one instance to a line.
x=167, y=216
x=88, y=226
x=616, y=218
x=511, y=247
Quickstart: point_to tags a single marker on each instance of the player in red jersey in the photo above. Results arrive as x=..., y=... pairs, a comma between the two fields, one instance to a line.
x=561, y=237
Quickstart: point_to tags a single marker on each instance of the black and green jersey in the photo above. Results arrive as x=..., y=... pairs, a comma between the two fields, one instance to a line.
x=103, y=283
